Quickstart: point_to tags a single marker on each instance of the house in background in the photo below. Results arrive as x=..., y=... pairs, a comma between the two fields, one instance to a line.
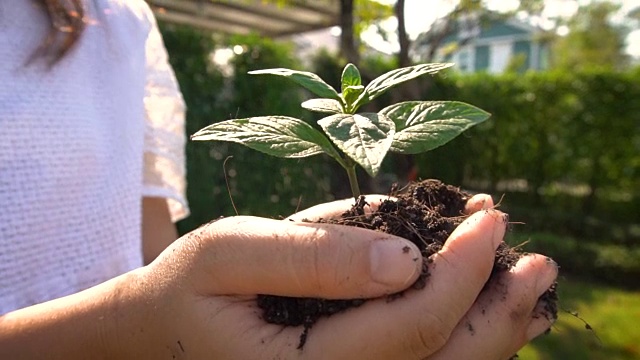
x=492, y=45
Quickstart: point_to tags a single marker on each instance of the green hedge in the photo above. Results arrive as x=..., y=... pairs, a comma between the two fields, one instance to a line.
x=566, y=145
x=605, y=262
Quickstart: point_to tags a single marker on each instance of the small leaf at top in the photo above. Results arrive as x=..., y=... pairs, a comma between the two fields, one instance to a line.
x=350, y=77
x=425, y=125
x=394, y=77
x=365, y=138
x=308, y=80
x=350, y=94
x=280, y=136
x=329, y=106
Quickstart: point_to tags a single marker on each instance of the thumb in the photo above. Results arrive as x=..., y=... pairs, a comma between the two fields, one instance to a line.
x=249, y=255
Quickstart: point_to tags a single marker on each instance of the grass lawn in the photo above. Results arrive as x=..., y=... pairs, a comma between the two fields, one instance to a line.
x=613, y=314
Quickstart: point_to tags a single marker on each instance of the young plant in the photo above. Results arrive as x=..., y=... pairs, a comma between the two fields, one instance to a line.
x=349, y=137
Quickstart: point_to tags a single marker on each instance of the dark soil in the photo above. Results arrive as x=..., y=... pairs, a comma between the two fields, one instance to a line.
x=425, y=213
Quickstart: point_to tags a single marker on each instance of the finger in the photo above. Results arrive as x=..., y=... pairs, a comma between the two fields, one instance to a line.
x=336, y=208
x=246, y=255
x=466, y=261
x=478, y=202
x=506, y=315
x=541, y=320
x=545, y=312
x=418, y=323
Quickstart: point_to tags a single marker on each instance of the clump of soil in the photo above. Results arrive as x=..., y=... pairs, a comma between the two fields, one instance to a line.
x=426, y=213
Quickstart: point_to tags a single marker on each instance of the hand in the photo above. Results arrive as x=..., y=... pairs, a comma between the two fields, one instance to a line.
x=206, y=308
x=506, y=314
x=197, y=299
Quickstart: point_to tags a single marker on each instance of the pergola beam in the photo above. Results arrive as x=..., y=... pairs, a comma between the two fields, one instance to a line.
x=246, y=16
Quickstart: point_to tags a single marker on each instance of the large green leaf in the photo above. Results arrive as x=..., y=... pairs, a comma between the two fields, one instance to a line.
x=394, y=77
x=366, y=137
x=280, y=136
x=425, y=125
x=328, y=106
x=308, y=80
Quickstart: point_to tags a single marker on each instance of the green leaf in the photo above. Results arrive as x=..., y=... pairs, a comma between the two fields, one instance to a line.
x=308, y=80
x=350, y=77
x=280, y=136
x=365, y=138
x=329, y=106
x=394, y=77
x=425, y=125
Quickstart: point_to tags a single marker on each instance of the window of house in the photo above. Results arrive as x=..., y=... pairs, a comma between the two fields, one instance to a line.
x=464, y=60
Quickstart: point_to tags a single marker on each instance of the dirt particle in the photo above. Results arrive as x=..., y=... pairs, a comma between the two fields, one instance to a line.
x=470, y=328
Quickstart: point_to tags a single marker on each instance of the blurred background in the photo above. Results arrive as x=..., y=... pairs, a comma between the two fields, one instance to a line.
x=561, y=151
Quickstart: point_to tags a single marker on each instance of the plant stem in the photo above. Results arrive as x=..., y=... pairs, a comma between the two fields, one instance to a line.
x=353, y=180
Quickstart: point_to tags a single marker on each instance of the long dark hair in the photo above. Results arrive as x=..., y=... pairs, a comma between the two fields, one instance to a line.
x=67, y=22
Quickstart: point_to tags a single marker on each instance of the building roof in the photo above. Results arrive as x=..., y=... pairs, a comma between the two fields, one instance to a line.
x=490, y=27
x=250, y=16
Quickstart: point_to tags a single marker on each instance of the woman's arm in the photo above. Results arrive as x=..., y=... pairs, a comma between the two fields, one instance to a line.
x=80, y=326
x=158, y=231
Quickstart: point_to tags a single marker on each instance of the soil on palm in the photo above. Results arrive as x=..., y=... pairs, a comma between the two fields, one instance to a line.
x=425, y=213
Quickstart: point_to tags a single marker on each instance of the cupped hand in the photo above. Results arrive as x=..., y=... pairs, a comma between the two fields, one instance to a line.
x=197, y=300
x=506, y=315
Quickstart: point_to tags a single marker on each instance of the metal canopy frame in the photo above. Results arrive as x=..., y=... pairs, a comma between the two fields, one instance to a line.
x=250, y=16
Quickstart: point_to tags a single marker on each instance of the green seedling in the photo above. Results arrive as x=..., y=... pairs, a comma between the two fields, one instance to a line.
x=352, y=138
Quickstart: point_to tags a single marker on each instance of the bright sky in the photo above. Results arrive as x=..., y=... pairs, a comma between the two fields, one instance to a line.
x=420, y=14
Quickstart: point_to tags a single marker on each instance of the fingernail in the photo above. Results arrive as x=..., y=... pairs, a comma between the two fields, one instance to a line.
x=487, y=202
x=502, y=220
x=395, y=262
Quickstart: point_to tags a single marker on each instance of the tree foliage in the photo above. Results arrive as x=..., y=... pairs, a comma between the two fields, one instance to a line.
x=593, y=40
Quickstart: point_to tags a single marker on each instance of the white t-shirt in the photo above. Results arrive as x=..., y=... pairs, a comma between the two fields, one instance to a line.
x=80, y=145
